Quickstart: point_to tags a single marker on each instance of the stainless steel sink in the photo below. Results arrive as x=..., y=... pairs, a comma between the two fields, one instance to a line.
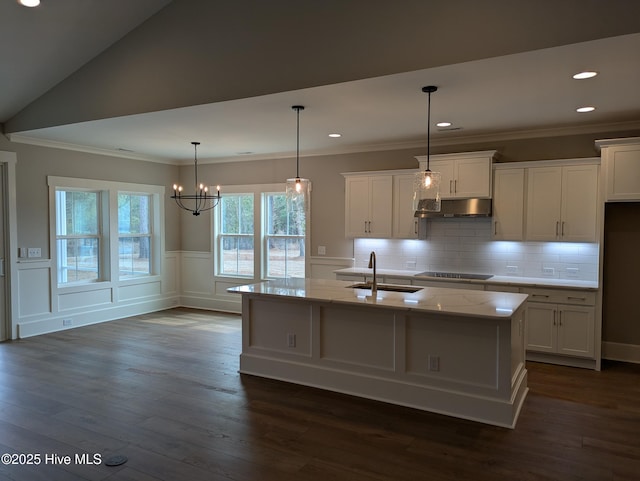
x=386, y=287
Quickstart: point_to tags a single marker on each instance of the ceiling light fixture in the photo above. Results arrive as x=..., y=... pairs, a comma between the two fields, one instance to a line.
x=443, y=124
x=585, y=109
x=586, y=74
x=29, y=3
x=335, y=136
x=297, y=188
x=201, y=200
x=426, y=185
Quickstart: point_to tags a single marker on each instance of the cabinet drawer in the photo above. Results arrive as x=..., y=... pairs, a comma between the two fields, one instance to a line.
x=561, y=296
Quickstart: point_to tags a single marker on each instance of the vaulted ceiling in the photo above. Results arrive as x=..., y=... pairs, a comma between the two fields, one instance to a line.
x=145, y=78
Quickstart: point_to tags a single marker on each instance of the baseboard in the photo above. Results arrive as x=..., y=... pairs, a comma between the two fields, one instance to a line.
x=615, y=351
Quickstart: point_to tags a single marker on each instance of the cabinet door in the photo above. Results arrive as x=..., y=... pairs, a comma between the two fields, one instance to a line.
x=405, y=225
x=541, y=332
x=623, y=172
x=356, y=206
x=380, y=206
x=579, y=203
x=575, y=330
x=446, y=169
x=543, y=203
x=508, y=204
x=472, y=178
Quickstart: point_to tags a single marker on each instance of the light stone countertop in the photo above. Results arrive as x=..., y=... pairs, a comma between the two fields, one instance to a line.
x=471, y=303
x=496, y=280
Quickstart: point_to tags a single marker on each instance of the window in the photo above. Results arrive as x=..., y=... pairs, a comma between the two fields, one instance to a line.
x=134, y=235
x=284, y=236
x=258, y=234
x=78, y=236
x=104, y=231
x=235, y=240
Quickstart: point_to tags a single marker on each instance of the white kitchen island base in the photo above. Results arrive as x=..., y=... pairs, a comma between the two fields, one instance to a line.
x=400, y=348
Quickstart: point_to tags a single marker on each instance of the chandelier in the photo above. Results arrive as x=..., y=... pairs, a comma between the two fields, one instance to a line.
x=297, y=188
x=201, y=200
x=426, y=185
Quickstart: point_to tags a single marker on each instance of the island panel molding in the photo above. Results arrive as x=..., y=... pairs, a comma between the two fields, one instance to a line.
x=449, y=351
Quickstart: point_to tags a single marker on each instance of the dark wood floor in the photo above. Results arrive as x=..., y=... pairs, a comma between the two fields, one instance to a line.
x=163, y=390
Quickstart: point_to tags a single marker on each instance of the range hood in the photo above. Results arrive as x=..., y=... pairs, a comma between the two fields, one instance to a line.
x=457, y=208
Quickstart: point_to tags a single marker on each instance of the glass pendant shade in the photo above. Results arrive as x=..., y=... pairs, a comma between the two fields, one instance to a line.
x=426, y=191
x=298, y=190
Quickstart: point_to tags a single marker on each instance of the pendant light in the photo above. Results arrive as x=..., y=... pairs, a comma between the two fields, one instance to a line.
x=426, y=185
x=201, y=200
x=298, y=189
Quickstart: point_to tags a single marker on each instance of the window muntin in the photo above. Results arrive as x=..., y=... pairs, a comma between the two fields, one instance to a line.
x=78, y=236
x=134, y=234
x=236, y=235
x=284, y=236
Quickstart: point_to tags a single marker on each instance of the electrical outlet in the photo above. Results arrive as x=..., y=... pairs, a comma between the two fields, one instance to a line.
x=548, y=271
x=512, y=269
x=322, y=250
x=67, y=322
x=34, y=252
x=291, y=340
x=572, y=271
x=434, y=363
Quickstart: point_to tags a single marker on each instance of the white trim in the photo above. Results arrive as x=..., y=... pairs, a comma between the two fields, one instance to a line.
x=353, y=149
x=11, y=236
x=616, y=351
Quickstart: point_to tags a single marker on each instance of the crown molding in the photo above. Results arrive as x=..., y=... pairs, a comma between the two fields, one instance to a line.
x=346, y=149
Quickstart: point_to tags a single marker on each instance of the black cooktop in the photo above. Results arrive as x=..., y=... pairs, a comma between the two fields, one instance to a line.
x=454, y=275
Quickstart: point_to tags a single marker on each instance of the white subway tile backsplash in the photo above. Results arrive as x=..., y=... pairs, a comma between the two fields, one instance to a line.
x=465, y=245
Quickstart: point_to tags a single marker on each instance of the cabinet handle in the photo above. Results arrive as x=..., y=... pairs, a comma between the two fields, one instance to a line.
x=365, y=226
x=555, y=313
x=562, y=232
x=540, y=295
x=450, y=183
x=369, y=227
x=415, y=226
x=560, y=318
x=570, y=298
x=455, y=186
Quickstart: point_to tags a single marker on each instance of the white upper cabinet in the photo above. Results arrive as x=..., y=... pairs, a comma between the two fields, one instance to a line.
x=562, y=203
x=621, y=165
x=463, y=175
x=368, y=205
x=405, y=225
x=508, y=204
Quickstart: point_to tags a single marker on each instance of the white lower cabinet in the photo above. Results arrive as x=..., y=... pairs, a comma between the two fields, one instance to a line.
x=559, y=328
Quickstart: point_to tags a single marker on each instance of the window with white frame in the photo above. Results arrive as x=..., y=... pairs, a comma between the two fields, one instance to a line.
x=104, y=230
x=284, y=236
x=236, y=235
x=134, y=234
x=258, y=234
x=78, y=235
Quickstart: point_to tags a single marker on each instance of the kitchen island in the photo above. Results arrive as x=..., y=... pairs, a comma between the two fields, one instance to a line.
x=451, y=351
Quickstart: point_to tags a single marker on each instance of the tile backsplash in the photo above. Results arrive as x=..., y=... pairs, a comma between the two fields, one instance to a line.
x=465, y=245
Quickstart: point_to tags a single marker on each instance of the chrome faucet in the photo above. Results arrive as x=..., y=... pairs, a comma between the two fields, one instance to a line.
x=372, y=264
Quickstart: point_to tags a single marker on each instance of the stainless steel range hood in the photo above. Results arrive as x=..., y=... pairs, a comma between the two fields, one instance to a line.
x=457, y=208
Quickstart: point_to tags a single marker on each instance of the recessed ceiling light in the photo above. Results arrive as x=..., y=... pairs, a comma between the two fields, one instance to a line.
x=585, y=109
x=443, y=124
x=335, y=135
x=29, y=3
x=585, y=74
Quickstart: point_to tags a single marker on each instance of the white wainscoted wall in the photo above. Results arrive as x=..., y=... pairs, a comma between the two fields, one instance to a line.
x=43, y=308
x=187, y=280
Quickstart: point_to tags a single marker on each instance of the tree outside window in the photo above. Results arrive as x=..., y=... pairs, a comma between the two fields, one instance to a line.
x=134, y=234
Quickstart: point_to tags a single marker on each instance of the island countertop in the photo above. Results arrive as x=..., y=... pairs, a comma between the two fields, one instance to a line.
x=472, y=303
